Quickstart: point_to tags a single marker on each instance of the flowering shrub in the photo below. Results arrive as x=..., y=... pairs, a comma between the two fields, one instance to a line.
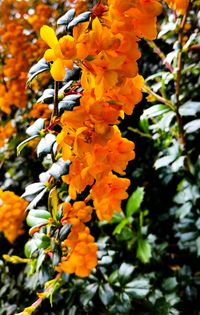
x=77, y=148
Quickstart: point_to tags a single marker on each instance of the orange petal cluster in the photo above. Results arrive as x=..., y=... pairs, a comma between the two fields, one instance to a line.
x=19, y=48
x=6, y=132
x=12, y=214
x=81, y=249
x=180, y=6
x=40, y=110
x=106, y=49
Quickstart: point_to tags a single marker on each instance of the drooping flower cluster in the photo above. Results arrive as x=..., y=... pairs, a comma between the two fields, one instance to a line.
x=106, y=49
x=82, y=250
x=180, y=6
x=12, y=214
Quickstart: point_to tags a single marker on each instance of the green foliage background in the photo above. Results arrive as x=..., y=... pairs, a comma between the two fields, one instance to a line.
x=149, y=254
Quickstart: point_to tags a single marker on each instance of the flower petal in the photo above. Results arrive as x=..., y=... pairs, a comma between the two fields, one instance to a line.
x=48, y=35
x=58, y=70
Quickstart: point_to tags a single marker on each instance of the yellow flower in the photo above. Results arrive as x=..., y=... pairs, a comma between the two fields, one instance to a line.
x=61, y=52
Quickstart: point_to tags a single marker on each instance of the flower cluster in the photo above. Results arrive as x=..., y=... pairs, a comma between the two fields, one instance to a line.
x=12, y=214
x=107, y=52
x=6, y=132
x=180, y=6
x=81, y=249
x=19, y=48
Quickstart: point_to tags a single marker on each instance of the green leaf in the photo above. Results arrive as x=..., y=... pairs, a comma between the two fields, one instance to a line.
x=164, y=161
x=125, y=271
x=35, y=201
x=155, y=110
x=64, y=232
x=59, y=168
x=198, y=246
x=56, y=255
x=68, y=102
x=120, y=226
x=113, y=277
x=170, y=284
x=83, y=17
x=41, y=66
x=161, y=307
x=106, y=293
x=24, y=143
x=190, y=108
x=126, y=234
x=88, y=293
x=29, y=248
x=36, y=127
x=47, y=96
x=143, y=251
x=192, y=126
x=46, y=143
x=67, y=17
x=33, y=189
x=36, y=217
x=138, y=288
x=134, y=201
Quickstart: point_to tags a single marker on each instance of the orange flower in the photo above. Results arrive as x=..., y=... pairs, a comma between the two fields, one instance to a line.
x=78, y=177
x=12, y=214
x=107, y=195
x=6, y=132
x=77, y=210
x=82, y=251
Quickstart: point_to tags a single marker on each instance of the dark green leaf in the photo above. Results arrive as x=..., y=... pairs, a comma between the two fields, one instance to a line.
x=138, y=288
x=33, y=189
x=169, y=284
x=88, y=293
x=36, y=127
x=39, y=67
x=24, y=143
x=64, y=232
x=68, y=102
x=67, y=17
x=155, y=110
x=106, y=293
x=46, y=143
x=83, y=17
x=192, y=126
x=59, y=168
x=47, y=96
x=190, y=108
x=125, y=271
x=35, y=201
x=164, y=161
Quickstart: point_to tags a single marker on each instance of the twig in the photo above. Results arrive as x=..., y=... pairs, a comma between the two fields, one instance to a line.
x=163, y=100
x=142, y=134
x=55, y=109
x=162, y=56
x=178, y=80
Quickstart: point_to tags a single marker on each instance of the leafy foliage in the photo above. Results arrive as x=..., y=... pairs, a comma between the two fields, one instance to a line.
x=148, y=254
